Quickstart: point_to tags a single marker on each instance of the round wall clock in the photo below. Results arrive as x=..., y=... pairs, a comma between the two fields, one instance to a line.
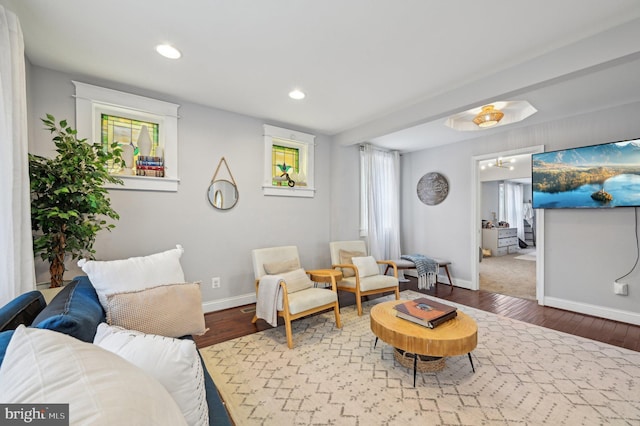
x=433, y=188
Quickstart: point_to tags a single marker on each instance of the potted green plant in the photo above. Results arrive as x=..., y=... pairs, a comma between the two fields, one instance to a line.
x=69, y=203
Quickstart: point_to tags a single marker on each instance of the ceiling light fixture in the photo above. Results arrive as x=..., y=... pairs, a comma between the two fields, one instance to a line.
x=499, y=162
x=297, y=94
x=488, y=117
x=168, y=51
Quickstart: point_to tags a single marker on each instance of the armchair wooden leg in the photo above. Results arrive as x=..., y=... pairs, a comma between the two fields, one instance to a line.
x=359, y=305
x=287, y=325
x=336, y=310
x=254, y=320
x=397, y=293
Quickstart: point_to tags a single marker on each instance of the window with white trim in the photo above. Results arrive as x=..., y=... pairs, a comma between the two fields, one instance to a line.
x=288, y=162
x=94, y=103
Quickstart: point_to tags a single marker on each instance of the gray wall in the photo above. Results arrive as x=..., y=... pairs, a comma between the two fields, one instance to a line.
x=585, y=250
x=216, y=243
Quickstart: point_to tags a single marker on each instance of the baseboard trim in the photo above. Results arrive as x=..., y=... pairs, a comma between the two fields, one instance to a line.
x=441, y=279
x=596, y=311
x=229, y=302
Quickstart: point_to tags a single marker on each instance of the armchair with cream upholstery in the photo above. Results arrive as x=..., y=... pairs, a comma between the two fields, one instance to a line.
x=298, y=296
x=362, y=278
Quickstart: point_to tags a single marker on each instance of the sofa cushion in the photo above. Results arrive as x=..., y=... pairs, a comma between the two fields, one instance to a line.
x=5, y=338
x=100, y=387
x=134, y=273
x=172, y=310
x=21, y=310
x=74, y=311
x=173, y=362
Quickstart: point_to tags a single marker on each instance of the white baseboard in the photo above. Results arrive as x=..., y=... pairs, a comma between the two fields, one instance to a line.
x=596, y=311
x=229, y=302
x=441, y=279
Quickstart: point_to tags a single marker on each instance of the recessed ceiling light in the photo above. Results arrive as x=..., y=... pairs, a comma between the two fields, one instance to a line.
x=297, y=94
x=168, y=51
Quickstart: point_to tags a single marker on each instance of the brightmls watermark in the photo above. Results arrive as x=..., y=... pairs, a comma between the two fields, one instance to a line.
x=34, y=414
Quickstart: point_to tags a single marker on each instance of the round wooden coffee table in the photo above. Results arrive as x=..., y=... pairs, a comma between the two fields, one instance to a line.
x=458, y=336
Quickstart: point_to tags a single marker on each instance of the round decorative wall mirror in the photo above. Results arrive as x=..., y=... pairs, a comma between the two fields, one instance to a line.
x=222, y=193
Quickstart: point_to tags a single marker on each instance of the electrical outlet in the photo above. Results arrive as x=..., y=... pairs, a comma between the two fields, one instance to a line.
x=215, y=282
x=620, y=288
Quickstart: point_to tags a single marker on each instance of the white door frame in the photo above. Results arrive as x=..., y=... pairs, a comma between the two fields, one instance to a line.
x=476, y=224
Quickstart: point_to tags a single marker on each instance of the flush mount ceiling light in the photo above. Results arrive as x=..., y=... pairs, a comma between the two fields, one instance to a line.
x=297, y=94
x=512, y=112
x=499, y=163
x=168, y=51
x=488, y=117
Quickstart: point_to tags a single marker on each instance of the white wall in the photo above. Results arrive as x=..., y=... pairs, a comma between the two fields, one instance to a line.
x=490, y=201
x=216, y=243
x=585, y=250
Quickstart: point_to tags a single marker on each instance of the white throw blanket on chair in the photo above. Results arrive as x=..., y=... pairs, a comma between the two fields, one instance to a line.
x=269, y=294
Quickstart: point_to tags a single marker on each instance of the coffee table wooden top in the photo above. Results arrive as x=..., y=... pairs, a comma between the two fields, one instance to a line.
x=458, y=336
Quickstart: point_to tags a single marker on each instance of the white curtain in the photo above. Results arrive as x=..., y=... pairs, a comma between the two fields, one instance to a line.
x=514, y=207
x=17, y=273
x=381, y=199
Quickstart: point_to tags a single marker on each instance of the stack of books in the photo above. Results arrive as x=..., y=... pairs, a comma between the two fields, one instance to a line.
x=150, y=166
x=426, y=312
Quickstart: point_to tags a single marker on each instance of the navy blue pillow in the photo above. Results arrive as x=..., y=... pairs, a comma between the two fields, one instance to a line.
x=75, y=311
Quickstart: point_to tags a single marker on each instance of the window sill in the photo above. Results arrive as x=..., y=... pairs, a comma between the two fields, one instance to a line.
x=282, y=191
x=146, y=183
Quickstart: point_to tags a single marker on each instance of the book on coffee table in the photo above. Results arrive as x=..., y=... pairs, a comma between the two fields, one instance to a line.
x=426, y=312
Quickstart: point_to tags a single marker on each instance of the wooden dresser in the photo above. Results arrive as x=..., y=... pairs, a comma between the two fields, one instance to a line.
x=500, y=241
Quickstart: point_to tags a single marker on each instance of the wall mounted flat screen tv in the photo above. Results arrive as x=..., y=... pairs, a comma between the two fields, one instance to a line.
x=596, y=176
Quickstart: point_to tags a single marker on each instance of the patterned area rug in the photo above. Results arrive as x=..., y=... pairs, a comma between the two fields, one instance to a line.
x=525, y=374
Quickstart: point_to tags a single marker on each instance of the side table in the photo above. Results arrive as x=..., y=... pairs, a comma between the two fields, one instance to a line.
x=326, y=276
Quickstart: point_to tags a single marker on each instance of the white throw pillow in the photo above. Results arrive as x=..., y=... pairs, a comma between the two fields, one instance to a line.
x=367, y=266
x=100, y=387
x=134, y=273
x=173, y=362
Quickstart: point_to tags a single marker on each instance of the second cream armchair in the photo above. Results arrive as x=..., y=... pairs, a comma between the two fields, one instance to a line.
x=365, y=279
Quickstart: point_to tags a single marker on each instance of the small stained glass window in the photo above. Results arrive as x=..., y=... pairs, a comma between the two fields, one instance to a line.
x=126, y=131
x=288, y=162
x=284, y=160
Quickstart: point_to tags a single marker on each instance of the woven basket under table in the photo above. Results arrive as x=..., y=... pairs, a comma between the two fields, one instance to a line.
x=425, y=363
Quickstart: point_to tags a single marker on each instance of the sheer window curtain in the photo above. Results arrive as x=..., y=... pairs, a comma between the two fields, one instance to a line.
x=514, y=207
x=380, y=196
x=17, y=273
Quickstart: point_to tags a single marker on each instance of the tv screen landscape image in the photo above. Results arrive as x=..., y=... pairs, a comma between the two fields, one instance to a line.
x=596, y=176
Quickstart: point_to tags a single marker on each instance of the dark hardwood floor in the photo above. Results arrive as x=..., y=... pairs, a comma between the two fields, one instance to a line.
x=231, y=323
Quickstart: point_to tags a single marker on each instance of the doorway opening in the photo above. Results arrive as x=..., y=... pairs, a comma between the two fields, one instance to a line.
x=505, y=227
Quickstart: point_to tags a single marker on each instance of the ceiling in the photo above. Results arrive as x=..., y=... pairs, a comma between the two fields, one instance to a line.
x=383, y=71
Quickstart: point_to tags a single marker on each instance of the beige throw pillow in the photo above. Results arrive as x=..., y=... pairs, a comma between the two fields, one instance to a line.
x=345, y=259
x=276, y=268
x=296, y=280
x=172, y=310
